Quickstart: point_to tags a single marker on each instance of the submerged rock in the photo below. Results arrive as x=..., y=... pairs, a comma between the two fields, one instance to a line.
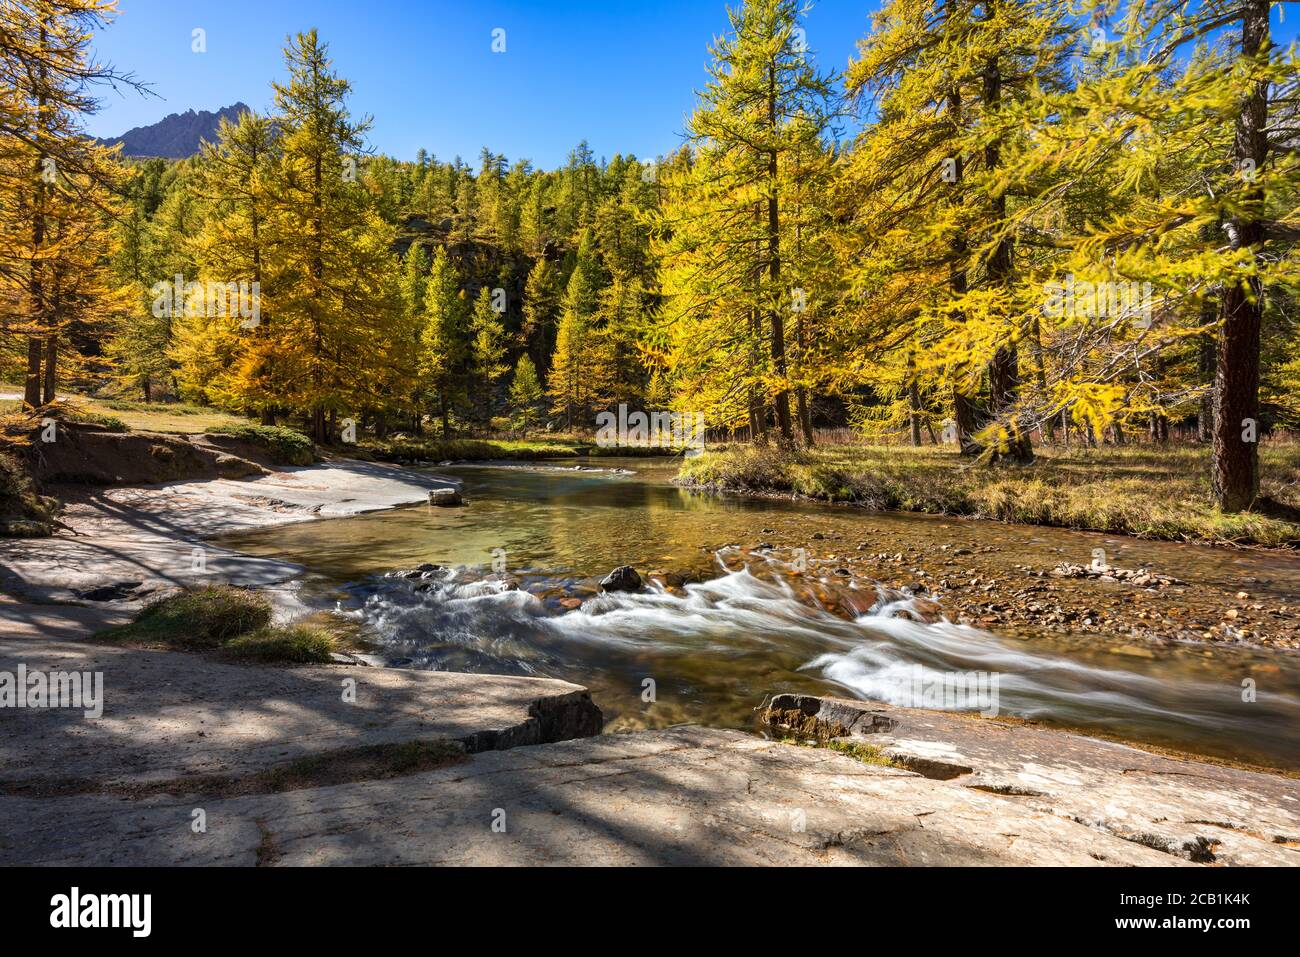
x=623, y=578
x=418, y=573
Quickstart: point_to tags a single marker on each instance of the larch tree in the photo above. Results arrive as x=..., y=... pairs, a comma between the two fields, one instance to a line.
x=727, y=223
x=57, y=183
x=334, y=312
x=487, y=347
x=441, y=357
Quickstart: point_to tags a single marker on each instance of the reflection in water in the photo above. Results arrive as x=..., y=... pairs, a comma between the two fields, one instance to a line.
x=750, y=625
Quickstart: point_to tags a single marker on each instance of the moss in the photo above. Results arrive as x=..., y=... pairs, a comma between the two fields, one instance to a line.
x=866, y=753
x=23, y=513
x=195, y=620
x=294, y=644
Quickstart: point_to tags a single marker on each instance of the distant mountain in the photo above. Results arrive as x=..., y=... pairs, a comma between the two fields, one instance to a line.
x=175, y=136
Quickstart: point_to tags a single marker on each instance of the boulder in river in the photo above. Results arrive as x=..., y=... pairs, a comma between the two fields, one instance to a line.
x=623, y=578
x=445, y=497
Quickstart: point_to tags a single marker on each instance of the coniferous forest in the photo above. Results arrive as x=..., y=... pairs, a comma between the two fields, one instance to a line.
x=1040, y=230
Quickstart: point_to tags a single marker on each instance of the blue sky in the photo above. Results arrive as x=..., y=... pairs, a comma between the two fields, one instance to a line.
x=620, y=73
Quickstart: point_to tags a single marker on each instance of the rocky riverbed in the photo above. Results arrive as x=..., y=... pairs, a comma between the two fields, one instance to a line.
x=982, y=586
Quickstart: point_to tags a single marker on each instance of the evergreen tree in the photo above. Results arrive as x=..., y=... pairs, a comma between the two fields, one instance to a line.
x=442, y=350
x=526, y=393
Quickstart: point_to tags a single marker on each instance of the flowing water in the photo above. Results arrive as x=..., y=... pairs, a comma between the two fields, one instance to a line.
x=535, y=540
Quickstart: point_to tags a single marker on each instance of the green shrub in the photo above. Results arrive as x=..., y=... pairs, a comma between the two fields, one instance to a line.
x=234, y=622
x=287, y=446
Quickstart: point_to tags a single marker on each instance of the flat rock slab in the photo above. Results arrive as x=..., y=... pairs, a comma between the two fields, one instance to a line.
x=168, y=715
x=150, y=534
x=686, y=796
x=1185, y=808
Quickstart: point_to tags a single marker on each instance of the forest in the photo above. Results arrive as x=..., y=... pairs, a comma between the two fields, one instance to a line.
x=1006, y=224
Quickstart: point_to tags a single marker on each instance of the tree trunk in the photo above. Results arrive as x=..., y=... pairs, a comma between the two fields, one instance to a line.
x=1236, y=381
x=319, y=431
x=963, y=409
x=781, y=400
x=51, y=367
x=805, y=415
x=913, y=402
x=32, y=383
x=1004, y=370
x=1205, y=412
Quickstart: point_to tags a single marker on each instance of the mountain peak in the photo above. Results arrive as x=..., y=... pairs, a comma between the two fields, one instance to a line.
x=176, y=135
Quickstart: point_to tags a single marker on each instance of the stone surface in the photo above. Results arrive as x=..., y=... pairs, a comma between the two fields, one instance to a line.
x=623, y=578
x=445, y=497
x=1184, y=808
x=149, y=534
x=168, y=715
x=682, y=796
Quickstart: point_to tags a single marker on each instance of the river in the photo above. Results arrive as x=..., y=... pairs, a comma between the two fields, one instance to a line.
x=535, y=539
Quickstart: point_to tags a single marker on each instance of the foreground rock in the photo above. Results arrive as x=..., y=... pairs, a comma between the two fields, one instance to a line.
x=683, y=796
x=1183, y=808
x=168, y=717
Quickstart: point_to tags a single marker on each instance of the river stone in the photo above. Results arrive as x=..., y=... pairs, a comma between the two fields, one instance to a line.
x=623, y=578
x=682, y=796
x=445, y=497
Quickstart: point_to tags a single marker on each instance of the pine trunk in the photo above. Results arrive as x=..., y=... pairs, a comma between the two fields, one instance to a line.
x=1236, y=382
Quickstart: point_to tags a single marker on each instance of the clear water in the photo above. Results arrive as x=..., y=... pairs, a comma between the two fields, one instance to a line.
x=534, y=541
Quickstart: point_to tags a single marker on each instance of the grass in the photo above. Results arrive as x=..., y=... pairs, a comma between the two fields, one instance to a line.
x=123, y=414
x=231, y=621
x=287, y=446
x=1145, y=491
x=478, y=450
x=198, y=619
x=297, y=644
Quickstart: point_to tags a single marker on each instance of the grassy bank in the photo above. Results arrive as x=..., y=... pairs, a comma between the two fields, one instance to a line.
x=229, y=621
x=408, y=450
x=176, y=417
x=1140, y=490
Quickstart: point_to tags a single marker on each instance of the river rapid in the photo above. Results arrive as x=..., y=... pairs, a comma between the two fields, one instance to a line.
x=746, y=597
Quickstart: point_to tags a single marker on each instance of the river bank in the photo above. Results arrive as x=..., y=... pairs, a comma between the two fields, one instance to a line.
x=1152, y=492
x=121, y=547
